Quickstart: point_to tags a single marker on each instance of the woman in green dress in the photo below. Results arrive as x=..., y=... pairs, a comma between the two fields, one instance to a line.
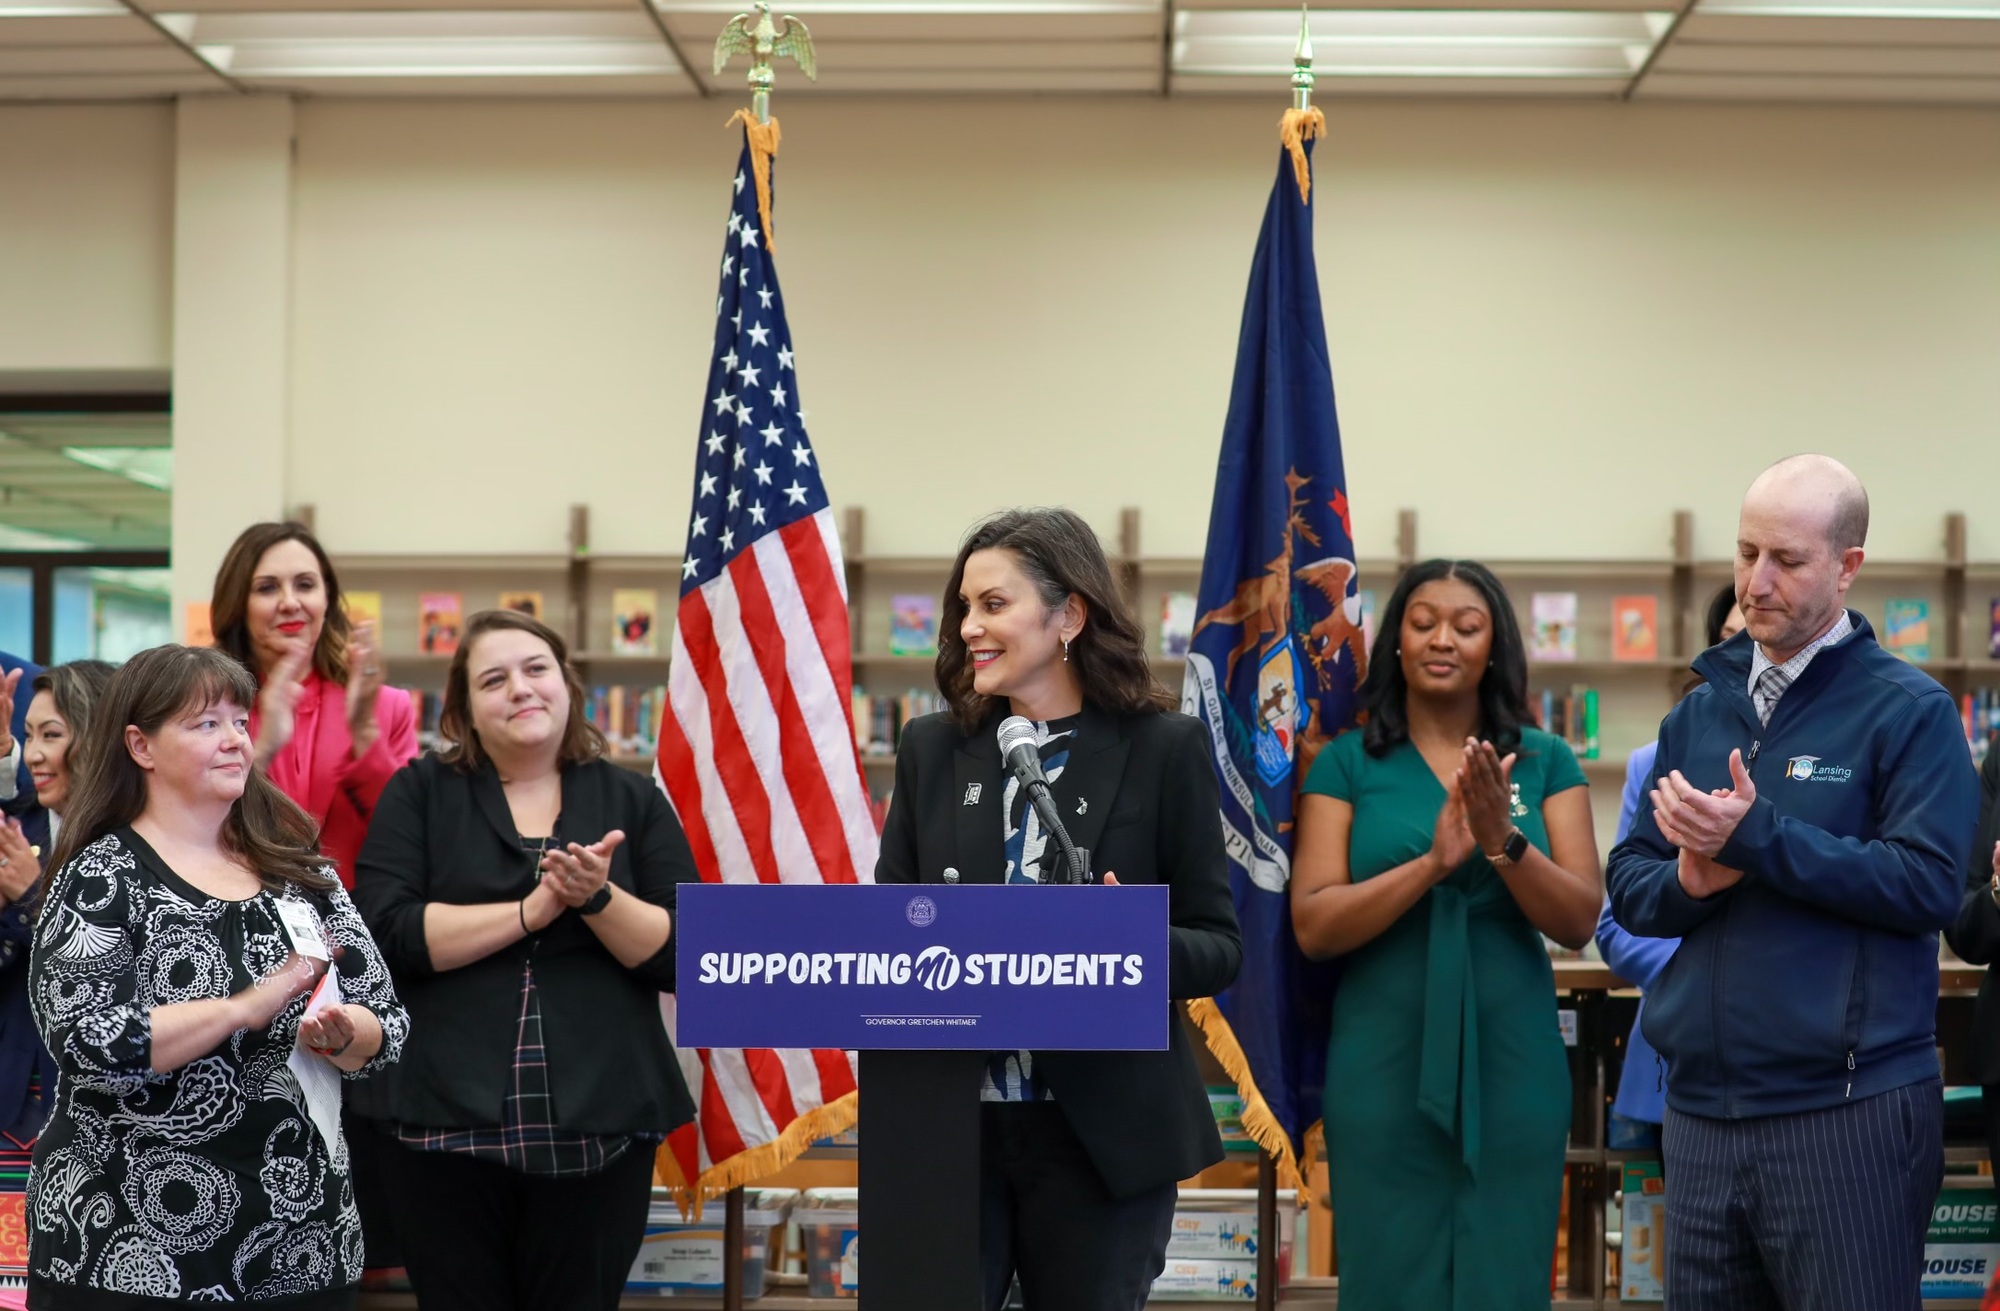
x=1435, y=846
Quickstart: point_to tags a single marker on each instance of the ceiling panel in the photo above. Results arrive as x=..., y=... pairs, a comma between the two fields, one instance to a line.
x=1956, y=33
x=119, y=86
x=106, y=29
x=1866, y=61
x=697, y=31
x=114, y=495
x=1334, y=88
x=988, y=56
x=497, y=85
x=56, y=61
x=1027, y=81
x=1908, y=90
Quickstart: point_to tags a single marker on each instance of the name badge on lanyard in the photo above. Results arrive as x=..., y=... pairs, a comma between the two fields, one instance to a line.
x=302, y=927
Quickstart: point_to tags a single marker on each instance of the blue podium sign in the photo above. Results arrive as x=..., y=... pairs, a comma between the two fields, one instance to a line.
x=977, y=967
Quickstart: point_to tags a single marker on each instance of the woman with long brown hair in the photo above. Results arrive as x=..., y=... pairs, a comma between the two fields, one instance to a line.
x=1082, y=1151
x=523, y=889
x=327, y=730
x=194, y=1153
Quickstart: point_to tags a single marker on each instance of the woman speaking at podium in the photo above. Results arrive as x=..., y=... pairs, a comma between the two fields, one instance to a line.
x=1080, y=1151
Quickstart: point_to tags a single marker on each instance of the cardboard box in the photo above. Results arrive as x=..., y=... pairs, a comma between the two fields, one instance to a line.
x=1220, y=1224
x=1232, y=1281
x=1643, y=1257
x=681, y=1257
x=1962, y=1246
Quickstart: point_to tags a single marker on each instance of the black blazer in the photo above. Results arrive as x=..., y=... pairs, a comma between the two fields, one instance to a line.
x=1975, y=934
x=440, y=834
x=1149, y=814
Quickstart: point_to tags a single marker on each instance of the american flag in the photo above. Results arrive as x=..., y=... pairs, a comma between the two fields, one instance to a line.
x=757, y=748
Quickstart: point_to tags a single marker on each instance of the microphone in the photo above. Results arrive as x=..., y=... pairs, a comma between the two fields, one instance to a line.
x=1022, y=755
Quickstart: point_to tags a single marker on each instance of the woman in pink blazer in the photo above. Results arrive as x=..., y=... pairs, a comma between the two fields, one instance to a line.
x=327, y=732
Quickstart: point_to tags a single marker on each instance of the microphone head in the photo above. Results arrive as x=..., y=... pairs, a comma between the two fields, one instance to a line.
x=1016, y=731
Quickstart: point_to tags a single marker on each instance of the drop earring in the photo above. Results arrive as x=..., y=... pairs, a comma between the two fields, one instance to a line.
x=1065, y=650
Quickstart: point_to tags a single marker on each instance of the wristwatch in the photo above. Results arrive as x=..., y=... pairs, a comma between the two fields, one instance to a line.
x=598, y=901
x=1511, y=851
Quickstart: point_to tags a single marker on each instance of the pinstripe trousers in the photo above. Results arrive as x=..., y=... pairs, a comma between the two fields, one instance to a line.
x=1816, y=1211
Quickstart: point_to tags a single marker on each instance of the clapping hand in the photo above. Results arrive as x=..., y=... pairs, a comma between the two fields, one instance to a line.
x=1485, y=782
x=327, y=1033
x=10, y=684
x=576, y=872
x=364, y=681
x=295, y=976
x=1701, y=824
x=1451, y=837
x=19, y=866
x=278, y=703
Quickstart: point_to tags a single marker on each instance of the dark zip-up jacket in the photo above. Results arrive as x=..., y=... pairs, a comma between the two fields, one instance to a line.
x=1813, y=981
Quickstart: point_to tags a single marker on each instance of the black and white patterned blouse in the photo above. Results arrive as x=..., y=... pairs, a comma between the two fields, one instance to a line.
x=211, y=1183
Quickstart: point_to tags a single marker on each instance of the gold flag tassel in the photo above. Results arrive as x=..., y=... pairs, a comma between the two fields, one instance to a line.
x=761, y=1162
x=1296, y=128
x=763, y=149
x=1258, y=1120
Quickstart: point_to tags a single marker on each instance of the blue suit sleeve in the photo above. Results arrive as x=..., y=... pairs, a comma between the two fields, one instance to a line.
x=1925, y=808
x=1644, y=874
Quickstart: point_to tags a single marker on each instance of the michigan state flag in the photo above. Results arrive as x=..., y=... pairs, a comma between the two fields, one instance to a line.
x=1275, y=661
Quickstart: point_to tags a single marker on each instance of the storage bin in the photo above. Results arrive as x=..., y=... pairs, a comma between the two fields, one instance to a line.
x=683, y=1257
x=1212, y=1248
x=829, y=1224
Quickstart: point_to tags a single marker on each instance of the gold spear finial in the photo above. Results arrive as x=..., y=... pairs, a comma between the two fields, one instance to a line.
x=757, y=36
x=1302, y=65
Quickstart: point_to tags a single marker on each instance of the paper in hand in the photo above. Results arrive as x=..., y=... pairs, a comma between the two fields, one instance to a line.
x=318, y=1078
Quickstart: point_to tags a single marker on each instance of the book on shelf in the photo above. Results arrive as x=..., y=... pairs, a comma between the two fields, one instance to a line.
x=913, y=624
x=363, y=608
x=527, y=603
x=635, y=616
x=1635, y=628
x=1571, y=716
x=440, y=620
x=879, y=720
x=629, y=717
x=1980, y=710
x=1906, y=627
x=1552, y=626
x=1177, y=615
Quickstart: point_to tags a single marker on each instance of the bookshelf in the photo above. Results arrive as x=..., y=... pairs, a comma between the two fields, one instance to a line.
x=577, y=586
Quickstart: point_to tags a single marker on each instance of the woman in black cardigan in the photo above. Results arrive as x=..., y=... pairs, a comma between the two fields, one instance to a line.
x=522, y=888
x=1081, y=1151
x=1975, y=936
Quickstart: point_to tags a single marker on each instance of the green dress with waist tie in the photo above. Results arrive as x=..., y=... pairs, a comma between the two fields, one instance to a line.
x=1447, y=1086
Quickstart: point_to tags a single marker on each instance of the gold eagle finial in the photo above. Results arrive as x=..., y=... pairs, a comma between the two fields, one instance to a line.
x=756, y=35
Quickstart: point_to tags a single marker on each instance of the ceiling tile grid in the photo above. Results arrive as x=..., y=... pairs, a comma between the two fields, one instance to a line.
x=1917, y=51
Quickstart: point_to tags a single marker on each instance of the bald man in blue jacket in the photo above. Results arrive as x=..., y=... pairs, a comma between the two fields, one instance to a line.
x=1811, y=811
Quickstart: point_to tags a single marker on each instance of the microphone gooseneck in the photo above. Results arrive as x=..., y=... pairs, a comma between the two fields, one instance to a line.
x=1022, y=754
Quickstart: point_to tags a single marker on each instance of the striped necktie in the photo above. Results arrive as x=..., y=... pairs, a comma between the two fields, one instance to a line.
x=1771, y=685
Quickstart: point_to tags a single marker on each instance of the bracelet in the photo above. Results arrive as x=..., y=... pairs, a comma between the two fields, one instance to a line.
x=332, y=1052
x=522, y=906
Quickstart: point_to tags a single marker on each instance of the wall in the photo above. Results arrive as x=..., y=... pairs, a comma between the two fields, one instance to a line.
x=86, y=238
x=1550, y=325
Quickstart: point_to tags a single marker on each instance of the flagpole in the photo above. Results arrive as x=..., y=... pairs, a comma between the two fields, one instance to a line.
x=1302, y=66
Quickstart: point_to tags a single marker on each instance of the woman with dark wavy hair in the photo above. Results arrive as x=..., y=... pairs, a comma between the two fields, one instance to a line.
x=1081, y=1150
x=1435, y=847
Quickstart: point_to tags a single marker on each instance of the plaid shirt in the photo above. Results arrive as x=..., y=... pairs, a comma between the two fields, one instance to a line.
x=1765, y=697
x=528, y=1138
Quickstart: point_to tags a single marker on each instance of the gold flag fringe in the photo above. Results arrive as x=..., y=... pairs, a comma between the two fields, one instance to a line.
x=1258, y=1121
x=763, y=149
x=761, y=1162
x=1297, y=127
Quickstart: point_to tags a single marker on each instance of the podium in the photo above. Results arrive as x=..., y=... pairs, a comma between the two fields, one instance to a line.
x=924, y=981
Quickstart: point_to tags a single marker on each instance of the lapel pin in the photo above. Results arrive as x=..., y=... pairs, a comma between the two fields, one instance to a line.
x=972, y=792
x=950, y=875
x=1082, y=805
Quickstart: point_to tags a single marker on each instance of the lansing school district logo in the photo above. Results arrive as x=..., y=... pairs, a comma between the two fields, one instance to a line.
x=921, y=912
x=1807, y=769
